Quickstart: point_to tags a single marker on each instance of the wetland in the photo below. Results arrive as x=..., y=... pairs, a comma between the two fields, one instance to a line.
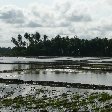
x=55, y=84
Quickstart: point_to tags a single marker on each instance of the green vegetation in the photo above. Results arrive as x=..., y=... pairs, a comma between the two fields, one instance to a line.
x=36, y=45
x=94, y=102
x=5, y=51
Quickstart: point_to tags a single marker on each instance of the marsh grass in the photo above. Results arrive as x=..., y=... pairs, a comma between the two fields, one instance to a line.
x=73, y=102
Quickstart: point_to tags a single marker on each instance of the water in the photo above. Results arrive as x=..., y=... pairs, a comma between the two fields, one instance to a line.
x=53, y=59
x=32, y=72
x=61, y=75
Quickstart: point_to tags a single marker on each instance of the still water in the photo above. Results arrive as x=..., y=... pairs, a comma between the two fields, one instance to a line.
x=32, y=72
x=61, y=75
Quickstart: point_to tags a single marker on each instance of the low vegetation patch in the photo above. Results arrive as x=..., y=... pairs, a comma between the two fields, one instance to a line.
x=73, y=102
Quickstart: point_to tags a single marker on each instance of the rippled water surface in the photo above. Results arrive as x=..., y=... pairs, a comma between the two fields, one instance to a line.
x=62, y=75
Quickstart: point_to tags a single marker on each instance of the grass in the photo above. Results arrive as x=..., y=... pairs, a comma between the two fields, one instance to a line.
x=74, y=102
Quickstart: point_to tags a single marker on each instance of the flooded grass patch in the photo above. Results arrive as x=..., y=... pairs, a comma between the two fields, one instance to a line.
x=57, y=84
x=76, y=66
x=74, y=102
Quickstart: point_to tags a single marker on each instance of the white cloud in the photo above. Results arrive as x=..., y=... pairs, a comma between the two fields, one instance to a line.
x=85, y=18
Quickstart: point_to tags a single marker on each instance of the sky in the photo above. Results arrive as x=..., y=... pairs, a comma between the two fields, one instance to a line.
x=84, y=18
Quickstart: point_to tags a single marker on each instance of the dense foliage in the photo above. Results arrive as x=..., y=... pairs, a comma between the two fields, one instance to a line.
x=5, y=51
x=36, y=45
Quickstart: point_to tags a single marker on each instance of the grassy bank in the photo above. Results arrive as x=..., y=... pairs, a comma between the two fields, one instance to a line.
x=66, y=102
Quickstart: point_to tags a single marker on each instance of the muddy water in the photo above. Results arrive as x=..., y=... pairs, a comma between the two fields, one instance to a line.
x=61, y=75
x=27, y=72
x=66, y=75
x=31, y=71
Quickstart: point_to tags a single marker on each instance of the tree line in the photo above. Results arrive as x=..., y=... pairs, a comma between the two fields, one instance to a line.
x=5, y=51
x=37, y=45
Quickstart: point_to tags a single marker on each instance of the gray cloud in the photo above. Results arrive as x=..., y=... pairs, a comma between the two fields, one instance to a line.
x=107, y=27
x=61, y=15
x=33, y=24
x=79, y=18
x=72, y=12
x=63, y=7
x=12, y=15
x=103, y=27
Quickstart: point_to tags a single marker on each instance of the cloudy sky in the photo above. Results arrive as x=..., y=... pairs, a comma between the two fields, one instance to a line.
x=84, y=18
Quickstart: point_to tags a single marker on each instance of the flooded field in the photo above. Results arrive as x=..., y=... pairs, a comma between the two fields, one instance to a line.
x=70, y=76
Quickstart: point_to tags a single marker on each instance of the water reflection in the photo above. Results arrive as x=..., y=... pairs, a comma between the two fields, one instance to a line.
x=31, y=72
